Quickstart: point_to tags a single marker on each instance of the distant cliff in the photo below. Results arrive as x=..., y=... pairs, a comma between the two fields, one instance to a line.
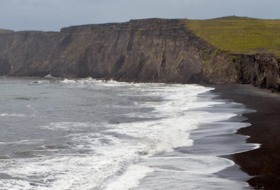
x=150, y=50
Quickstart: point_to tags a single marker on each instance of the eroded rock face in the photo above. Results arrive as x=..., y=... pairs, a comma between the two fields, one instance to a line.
x=151, y=50
x=5, y=67
x=261, y=70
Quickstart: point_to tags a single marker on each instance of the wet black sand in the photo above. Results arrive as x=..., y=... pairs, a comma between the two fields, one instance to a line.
x=262, y=164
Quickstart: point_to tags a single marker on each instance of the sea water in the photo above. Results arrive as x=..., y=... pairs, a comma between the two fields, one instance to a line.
x=89, y=134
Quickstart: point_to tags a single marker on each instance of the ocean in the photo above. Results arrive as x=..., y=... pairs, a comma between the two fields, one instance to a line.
x=87, y=134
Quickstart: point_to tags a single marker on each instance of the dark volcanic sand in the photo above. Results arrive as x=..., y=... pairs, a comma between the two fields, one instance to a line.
x=263, y=163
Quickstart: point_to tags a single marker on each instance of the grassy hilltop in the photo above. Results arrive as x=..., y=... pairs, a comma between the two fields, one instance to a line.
x=2, y=31
x=239, y=34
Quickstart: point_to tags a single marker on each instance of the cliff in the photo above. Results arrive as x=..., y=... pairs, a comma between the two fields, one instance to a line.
x=261, y=70
x=253, y=45
x=151, y=50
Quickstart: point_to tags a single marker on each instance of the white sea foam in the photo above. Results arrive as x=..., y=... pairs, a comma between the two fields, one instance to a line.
x=191, y=164
x=68, y=81
x=21, y=142
x=49, y=76
x=12, y=115
x=41, y=82
x=130, y=178
x=118, y=156
x=90, y=82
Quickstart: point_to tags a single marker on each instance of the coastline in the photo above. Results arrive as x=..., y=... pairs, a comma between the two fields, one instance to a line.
x=263, y=163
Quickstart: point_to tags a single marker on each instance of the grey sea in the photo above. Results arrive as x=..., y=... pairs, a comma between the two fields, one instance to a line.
x=60, y=134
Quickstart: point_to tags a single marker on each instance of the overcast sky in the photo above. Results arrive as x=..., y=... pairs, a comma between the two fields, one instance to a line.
x=53, y=14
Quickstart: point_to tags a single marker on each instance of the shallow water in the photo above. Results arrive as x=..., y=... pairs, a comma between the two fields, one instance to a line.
x=89, y=134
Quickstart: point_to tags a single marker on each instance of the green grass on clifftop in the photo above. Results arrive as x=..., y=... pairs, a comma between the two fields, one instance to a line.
x=239, y=34
x=2, y=31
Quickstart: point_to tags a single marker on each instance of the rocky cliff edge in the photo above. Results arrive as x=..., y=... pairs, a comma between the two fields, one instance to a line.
x=150, y=50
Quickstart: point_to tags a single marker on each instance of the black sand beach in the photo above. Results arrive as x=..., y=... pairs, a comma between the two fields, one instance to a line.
x=262, y=164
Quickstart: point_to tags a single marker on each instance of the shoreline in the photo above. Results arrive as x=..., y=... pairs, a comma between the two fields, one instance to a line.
x=261, y=164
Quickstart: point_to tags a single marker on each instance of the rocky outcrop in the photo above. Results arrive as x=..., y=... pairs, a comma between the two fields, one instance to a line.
x=151, y=50
x=261, y=70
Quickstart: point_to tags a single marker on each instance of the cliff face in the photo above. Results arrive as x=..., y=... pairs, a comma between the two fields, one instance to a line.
x=261, y=70
x=141, y=50
x=151, y=50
